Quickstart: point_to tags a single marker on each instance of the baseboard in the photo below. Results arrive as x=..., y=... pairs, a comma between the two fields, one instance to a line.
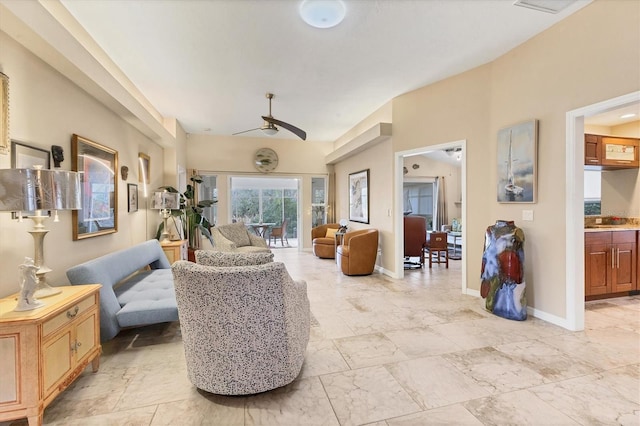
x=553, y=319
x=472, y=292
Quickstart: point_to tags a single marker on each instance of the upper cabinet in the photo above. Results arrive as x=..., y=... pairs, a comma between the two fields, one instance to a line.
x=592, y=150
x=609, y=153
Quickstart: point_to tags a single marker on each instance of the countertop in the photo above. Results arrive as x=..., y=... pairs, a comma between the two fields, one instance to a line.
x=603, y=228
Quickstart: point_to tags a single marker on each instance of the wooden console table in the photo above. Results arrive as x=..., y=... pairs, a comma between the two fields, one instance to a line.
x=44, y=350
x=175, y=250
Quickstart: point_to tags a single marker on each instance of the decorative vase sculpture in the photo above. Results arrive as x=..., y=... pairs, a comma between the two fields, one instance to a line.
x=503, y=284
x=28, y=284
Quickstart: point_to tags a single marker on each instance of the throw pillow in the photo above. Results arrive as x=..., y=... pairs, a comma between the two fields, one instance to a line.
x=331, y=232
x=237, y=233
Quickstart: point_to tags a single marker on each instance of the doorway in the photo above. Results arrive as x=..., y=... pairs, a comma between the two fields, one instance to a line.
x=267, y=203
x=574, y=272
x=399, y=203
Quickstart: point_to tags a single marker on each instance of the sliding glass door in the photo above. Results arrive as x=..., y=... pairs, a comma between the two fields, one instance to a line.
x=266, y=200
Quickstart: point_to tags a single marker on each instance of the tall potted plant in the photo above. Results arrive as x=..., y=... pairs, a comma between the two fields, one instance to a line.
x=190, y=213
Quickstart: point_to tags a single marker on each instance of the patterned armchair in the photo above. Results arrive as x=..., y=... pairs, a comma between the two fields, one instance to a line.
x=221, y=258
x=245, y=328
x=235, y=237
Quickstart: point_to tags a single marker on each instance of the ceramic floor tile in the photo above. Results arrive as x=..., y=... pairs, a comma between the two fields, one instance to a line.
x=517, y=408
x=156, y=385
x=301, y=401
x=454, y=414
x=548, y=361
x=421, y=351
x=322, y=357
x=434, y=382
x=421, y=342
x=134, y=417
x=201, y=408
x=368, y=350
x=597, y=398
x=605, y=348
x=494, y=370
x=367, y=395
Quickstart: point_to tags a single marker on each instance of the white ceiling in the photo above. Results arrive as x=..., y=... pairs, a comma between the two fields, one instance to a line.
x=210, y=63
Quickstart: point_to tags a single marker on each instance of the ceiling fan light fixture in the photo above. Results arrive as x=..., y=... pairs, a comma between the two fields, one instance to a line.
x=269, y=130
x=323, y=13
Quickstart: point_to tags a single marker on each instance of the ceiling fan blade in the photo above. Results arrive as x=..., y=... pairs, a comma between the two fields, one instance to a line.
x=245, y=131
x=293, y=129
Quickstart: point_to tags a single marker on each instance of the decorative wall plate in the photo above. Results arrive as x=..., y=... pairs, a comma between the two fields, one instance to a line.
x=266, y=160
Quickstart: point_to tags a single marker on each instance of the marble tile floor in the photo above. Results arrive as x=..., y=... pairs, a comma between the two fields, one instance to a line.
x=386, y=352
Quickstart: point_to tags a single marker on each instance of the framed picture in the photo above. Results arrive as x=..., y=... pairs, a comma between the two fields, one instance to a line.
x=517, y=162
x=144, y=168
x=27, y=157
x=132, y=197
x=4, y=113
x=24, y=156
x=99, y=193
x=359, y=196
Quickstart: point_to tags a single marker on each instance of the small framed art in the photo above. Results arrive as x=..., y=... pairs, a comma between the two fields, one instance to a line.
x=132, y=197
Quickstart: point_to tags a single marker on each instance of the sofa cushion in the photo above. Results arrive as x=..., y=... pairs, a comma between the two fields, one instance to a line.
x=148, y=297
x=237, y=233
x=331, y=233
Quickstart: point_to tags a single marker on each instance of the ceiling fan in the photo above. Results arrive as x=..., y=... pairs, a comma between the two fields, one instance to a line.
x=269, y=126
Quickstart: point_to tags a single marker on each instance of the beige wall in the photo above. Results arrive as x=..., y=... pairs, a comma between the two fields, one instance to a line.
x=452, y=177
x=379, y=161
x=226, y=156
x=541, y=79
x=46, y=109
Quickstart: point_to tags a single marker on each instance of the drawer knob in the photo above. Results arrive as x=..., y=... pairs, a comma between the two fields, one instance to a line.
x=74, y=313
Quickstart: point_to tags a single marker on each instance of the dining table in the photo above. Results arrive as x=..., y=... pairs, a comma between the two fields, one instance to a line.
x=261, y=228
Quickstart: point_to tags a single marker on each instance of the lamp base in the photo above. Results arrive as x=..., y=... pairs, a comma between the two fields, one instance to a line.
x=45, y=290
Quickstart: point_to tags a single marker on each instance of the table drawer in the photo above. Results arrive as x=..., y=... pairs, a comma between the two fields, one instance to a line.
x=68, y=315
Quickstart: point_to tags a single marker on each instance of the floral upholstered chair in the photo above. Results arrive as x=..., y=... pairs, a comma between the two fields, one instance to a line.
x=235, y=237
x=245, y=328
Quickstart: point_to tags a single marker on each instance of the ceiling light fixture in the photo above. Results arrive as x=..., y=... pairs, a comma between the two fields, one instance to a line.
x=628, y=115
x=322, y=13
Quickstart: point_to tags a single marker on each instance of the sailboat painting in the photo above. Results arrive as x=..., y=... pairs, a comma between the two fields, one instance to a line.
x=517, y=151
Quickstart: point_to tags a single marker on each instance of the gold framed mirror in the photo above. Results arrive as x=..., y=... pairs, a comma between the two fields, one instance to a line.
x=97, y=165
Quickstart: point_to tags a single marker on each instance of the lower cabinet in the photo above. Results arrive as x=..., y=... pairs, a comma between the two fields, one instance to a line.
x=175, y=250
x=611, y=262
x=44, y=350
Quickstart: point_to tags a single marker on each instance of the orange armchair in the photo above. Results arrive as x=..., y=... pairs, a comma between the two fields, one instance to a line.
x=324, y=247
x=358, y=252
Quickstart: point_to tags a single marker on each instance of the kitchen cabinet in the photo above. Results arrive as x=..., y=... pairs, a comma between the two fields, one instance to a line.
x=592, y=150
x=610, y=153
x=619, y=152
x=45, y=349
x=611, y=262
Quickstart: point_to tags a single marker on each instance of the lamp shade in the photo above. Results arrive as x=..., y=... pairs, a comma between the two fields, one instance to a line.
x=38, y=189
x=165, y=200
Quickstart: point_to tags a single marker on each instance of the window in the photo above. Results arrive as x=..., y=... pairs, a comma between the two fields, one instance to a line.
x=207, y=190
x=418, y=200
x=265, y=200
x=318, y=201
x=592, y=193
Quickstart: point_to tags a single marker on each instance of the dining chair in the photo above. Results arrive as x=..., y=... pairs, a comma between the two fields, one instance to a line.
x=437, y=248
x=279, y=232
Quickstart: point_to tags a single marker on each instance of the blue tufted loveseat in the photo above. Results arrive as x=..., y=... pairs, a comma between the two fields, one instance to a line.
x=131, y=294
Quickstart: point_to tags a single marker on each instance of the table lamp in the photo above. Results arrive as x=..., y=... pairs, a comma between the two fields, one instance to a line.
x=36, y=190
x=165, y=201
